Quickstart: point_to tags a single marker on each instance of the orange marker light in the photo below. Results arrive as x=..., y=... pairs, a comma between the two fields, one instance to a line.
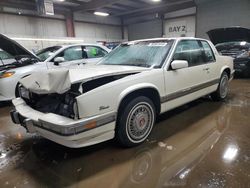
x=7, y=74
x=90, y=125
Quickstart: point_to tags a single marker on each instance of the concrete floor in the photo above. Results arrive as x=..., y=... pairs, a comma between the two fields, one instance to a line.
x=202, y=144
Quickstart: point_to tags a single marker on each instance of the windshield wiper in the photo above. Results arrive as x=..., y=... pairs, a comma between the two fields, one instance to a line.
x=2, y=61
x=139, y=65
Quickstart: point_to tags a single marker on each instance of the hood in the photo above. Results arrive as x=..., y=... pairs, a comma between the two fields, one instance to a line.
x=60, y=80
x=13, y=48
x=231, y=34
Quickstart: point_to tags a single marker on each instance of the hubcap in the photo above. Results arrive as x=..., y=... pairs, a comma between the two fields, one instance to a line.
x=224, y=87
x=140, y=122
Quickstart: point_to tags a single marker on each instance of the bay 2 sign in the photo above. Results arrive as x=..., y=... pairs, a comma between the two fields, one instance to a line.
x=178, y=27
x=181, y=29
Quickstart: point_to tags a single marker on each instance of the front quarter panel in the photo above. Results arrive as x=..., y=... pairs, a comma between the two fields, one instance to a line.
x=8, y=85
x=107, y=98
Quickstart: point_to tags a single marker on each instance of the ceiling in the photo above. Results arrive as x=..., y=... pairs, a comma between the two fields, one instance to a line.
x=117, y=8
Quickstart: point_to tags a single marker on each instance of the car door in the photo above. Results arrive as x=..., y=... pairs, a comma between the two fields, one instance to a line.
x=187, y=84
x=94, y=54
x=213, y=66
x=71, y=56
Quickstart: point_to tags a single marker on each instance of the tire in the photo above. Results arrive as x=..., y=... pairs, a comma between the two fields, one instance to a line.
x=135, y=122
x=222, y=91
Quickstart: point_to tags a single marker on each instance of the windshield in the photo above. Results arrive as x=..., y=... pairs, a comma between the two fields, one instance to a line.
x=47, y=52
x=144, y=54
x=4, y=55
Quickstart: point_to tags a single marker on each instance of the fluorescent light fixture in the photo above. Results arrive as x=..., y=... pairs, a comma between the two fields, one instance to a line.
x=101, y=13
x=156, y=0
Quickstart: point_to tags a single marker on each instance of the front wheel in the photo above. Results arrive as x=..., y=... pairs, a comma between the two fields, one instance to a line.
x=135, y=122
x=223, y=88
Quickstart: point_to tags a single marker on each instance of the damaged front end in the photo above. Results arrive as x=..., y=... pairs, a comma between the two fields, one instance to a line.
x=64, y=104
x=61, y=104
x=47, y=104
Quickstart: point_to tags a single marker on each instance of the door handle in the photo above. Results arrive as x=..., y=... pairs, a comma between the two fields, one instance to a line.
x=206, y=69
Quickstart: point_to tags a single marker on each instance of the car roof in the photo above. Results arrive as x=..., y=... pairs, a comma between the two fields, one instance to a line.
x=81, y=44
x=172, y=38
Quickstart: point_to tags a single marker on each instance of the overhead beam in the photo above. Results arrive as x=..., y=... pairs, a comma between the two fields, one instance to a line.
x=155, y=8
x=134, y=4
x=95, y=4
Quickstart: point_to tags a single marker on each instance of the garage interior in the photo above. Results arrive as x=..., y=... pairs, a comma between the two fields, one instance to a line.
x=200, y=144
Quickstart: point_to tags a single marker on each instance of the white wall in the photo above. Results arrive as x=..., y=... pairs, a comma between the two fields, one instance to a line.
x=31, y=26
x=98, y=32
x=177, y=27
x=149, y=29
x=96, y=28
x=19, y=26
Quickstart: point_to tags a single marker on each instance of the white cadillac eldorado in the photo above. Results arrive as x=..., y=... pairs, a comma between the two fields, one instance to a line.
x=122, y=95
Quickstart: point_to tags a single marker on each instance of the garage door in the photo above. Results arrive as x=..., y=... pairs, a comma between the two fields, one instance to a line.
x=177, y=27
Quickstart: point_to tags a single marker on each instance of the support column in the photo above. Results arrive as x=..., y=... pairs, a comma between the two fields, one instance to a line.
x=70, y=26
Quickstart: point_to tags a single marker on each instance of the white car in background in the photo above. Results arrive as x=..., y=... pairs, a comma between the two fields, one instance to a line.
x=24, y=62
x=121, y=97
x=65, y=55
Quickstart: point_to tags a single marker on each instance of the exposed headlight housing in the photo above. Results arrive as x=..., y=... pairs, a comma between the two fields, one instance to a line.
x=75, y=110
x=6, y=74
x=23, y=92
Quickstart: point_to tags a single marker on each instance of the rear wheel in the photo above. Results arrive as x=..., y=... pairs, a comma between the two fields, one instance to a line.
x=223, y=88
x=135, y=122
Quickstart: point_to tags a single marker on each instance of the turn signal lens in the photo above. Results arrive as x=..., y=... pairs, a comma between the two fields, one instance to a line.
x=6, y=74
x=90, y=125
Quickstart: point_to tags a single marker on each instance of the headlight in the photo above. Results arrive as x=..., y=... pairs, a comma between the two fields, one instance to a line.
x=6, y=74
x=24, y=93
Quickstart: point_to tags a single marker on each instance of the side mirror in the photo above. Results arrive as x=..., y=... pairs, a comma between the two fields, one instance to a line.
x=179, y=64
x=58, y=60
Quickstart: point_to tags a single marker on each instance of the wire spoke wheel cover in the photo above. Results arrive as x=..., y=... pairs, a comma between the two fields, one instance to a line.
x=140, y=122
x=224, y=86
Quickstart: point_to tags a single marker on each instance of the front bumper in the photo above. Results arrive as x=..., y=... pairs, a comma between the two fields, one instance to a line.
x=62, y=130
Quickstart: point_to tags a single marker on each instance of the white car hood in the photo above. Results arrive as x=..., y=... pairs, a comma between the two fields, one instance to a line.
x=60, y=80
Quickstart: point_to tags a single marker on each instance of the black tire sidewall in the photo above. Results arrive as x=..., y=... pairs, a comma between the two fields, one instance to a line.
x=121, y=130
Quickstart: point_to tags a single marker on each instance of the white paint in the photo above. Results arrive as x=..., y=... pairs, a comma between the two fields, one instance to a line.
x=162, y=80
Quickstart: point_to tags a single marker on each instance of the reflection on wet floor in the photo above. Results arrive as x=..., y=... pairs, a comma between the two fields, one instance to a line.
x=202, y=144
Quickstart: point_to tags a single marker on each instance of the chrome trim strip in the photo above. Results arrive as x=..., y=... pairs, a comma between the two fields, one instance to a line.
x=77, y=128
x=188, y=91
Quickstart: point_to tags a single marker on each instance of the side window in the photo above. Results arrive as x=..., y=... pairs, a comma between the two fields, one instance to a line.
x=72, y=53
x=95, y=52
x=190, y=51
x=209, y=54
